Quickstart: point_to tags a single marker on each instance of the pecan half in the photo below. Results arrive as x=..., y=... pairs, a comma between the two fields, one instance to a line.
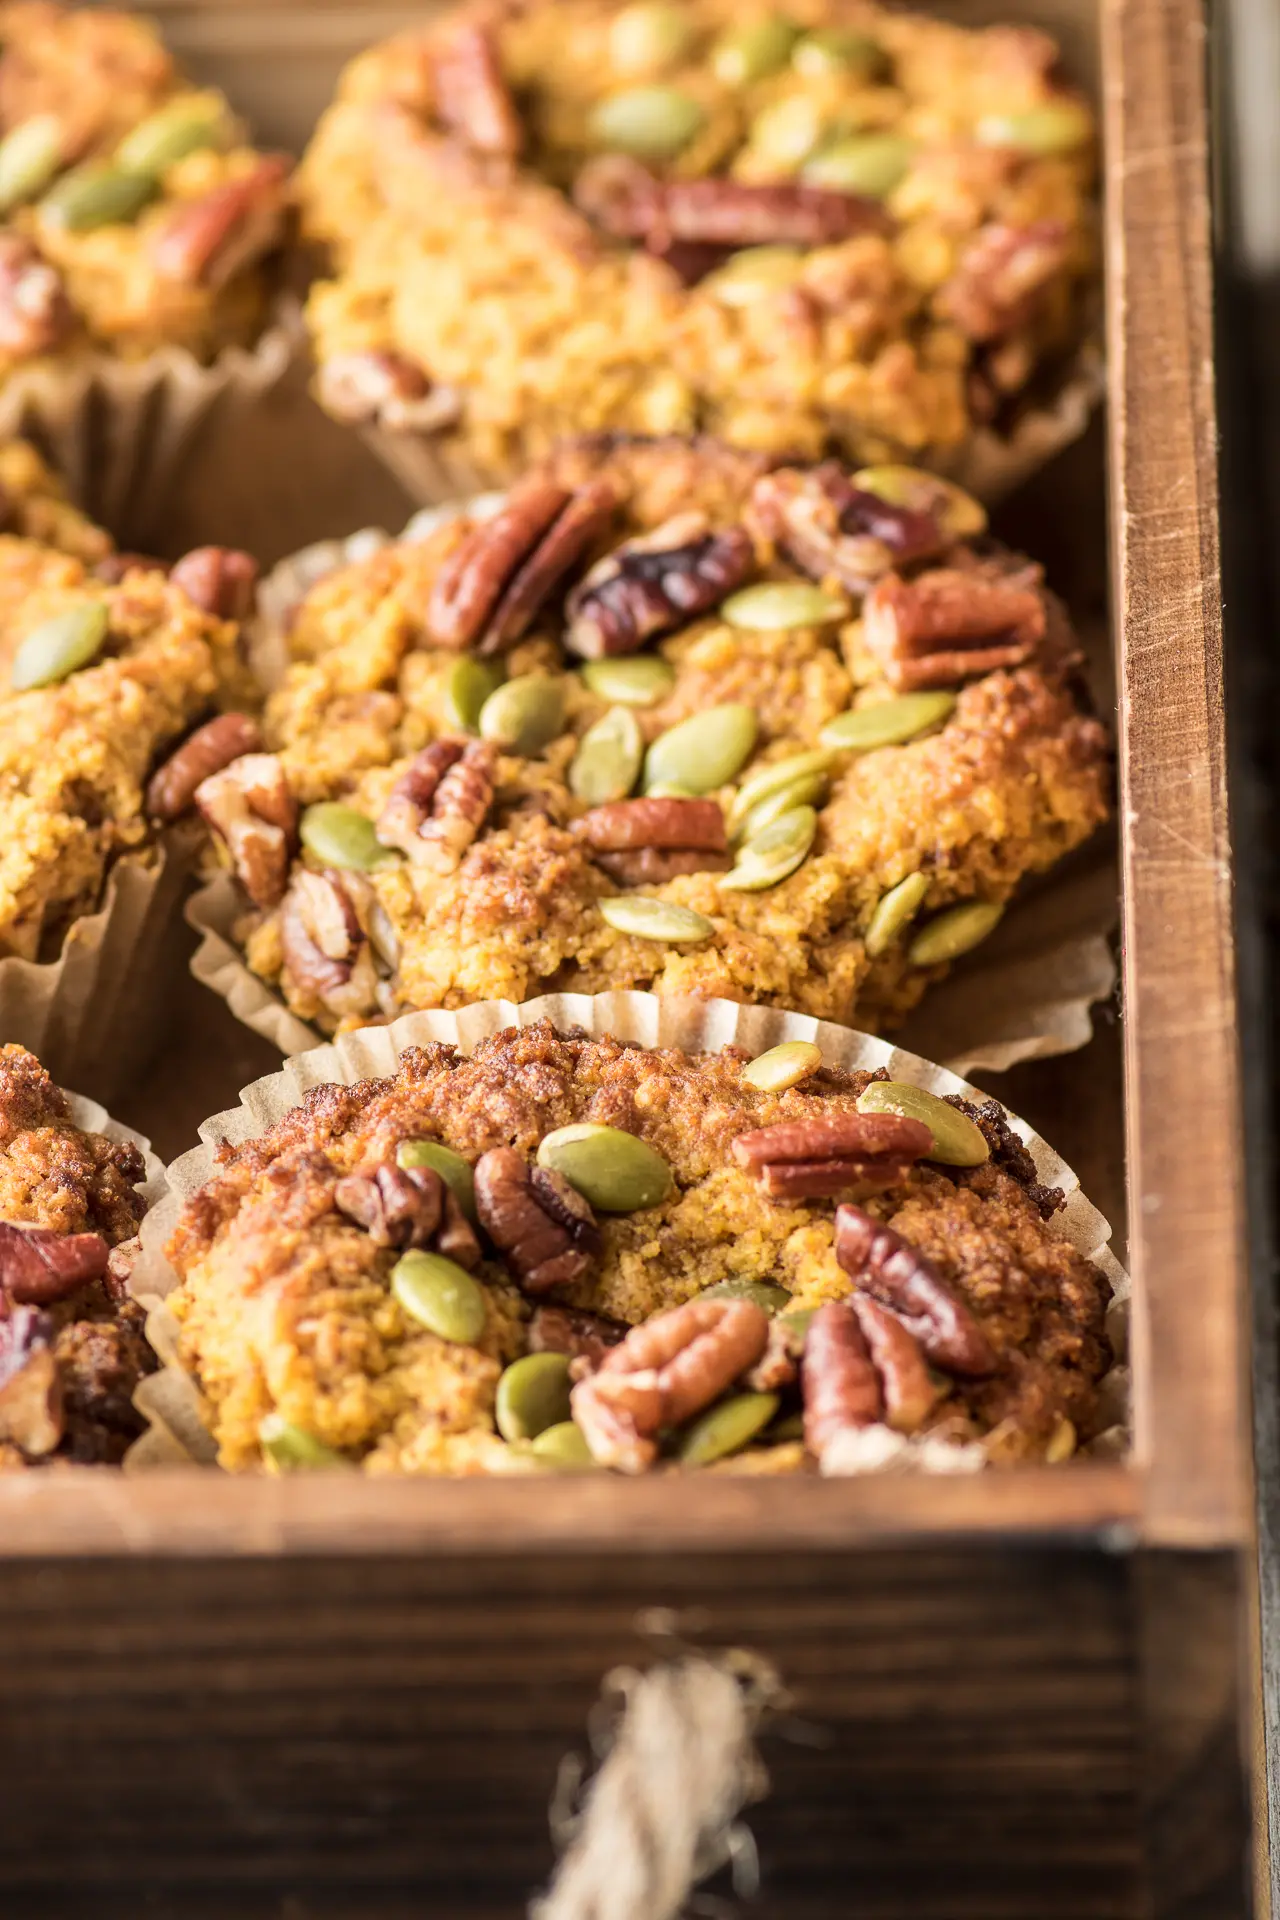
x=250, y=808
x=221, y=580
x=489, y=591
x=652, y=585
x=829, y=527
x=172, y=787
x=38, y=1266
x=31, y=1412
x=35, y=314
x=953, y=622
x=585, y=1337
x=386, y=387
x=909, y=1393
x=326, y=949
x=439, y=804
x=653, y=866
x=840, y=1382
x=1003, y=277
x=898, y=1275
x=206, y=242
x=472, y=98
x=408, y=1207
x=662, y=1374
x=408, y=805
x=833, y=1154
x=545, y=1228
x=626, y=200
x=621, y=825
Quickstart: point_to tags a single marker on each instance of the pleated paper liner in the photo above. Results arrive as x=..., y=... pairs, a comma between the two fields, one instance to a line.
x=170, y=1400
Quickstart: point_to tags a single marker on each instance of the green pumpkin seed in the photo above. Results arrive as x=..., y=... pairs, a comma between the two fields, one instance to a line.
x=726, y=1428
x=99, y=195
x=563, y=1446
x=456, y=1172
x=804, y=792
x=650, y=919
x=868, y=163
x=775, y=605
x=957, y=1142
x=609, y=757
x=754, y=272
x=291, y=1449
x=894, y=913
x=957, y=513
x=468, y=687
x=29, y=158
x=797, y=1325
x=888, y=723
x=776, y=778
x=954, y=932
x=789, y=1428
x=783, y=1066
x=440, y=1296
x=637, y=682
x=1058, y=127
x=839, y=50
x=785, y=133
x=613, y=1170
x=59, y=646
x=651, y=123
x=753, y=52
x=704, y=752
x=524, y=714
x=773, y=855
x=533, y=1394
x=339, y=836
x=670, y=790
x=181, y=128
x=760, y=1293
x=649, y=37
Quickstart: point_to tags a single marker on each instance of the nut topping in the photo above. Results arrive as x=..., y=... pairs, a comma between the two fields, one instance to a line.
x=472, y=98
x=1003, y=276
x=385, y=387
x=546, y=1229
x=646, y=842
x=408, y=806
x=827, y=526
x=113, y=567
x=206, y=242
x=841, y=1385
x=172, y=787
x=34, y=312
x=909, y=1393
x=627, y=201
x=492, y=586
x=834, y=1154
x=408, y=1207
x=31, y=1415
x=39, y=1267
x=650, y=586
x=326, y=949
x=898, y=1275
x=953, y=622
x=654, y=866
x=221, y=581
x=585, y=1337
x=249, y=806
x=440, y=803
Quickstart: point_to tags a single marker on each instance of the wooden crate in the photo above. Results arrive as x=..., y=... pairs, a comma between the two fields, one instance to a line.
x=1029, y=1693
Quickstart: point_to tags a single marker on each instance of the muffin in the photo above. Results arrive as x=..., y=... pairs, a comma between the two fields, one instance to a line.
x=72, y=1348
x=565, y=1250
x=663, y=718
x=829, y=227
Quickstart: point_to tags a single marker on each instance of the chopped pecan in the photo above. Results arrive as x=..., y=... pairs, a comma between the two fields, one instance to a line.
x=841, y=1385
x=384, y=387
x=221, y=580
x=1003, y=277
x=909, y=1393
x=38, y=1266
x=31, y=1412
x=545, y=1228
x=489, y=591
x=172, y=787
x=662, y=1374
x=953, y=622
x=35, y=315
x=621, y=825
x=585, y=1337
x=206, y=242
x=439, y=804
x=408, y=1207
x=829, y=527
x=250, y=808
x=776, y=1366
x=113, y=567
x=120, y=1265
x=627, y=201
x=24, y=1331
x=898, y=1275
x=472, y=98
x=833, y=1154
x=654, y=584
x=326, y=949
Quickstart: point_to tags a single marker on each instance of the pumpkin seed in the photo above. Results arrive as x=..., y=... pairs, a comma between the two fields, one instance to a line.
x=954, y=932
x=613, y=1170
x=563, y=1446
x=797, y=1324
x=801, y=793
x=650, y=919
x=1057, y=127
x=775, y=605
x=440, y=1296
x=754, y=51
x=533, y=1394
x=957, y=1142
x=703, y=752
x=651, y=123
x=291, y=1448
x=1062, y=1442
x=670, y=790
x=648, y=38
x=609, y=757
x=894, y=913
x=759, y=1292
x=776, y=778
x=524, y=714
x=58, y=646
x=176, y=130
x=98, y=195
x=775, y=854
x=726, y=1428
x=868, y=163
x=957, y=513
x=637, y=682
x=339, y=836
x=456, y=1172
x=887, y=723
x=29, y=158
x=786, y=132
x=754, y=272
x=468, y=687
x=783, y=1066
x=839, y=50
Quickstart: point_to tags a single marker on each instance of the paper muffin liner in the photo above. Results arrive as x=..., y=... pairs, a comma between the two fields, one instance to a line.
x=170, y=1399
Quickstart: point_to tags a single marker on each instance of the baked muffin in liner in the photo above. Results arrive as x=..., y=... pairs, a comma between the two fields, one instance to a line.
x=829, y=228
x=172, y=1401
x=1015, y=780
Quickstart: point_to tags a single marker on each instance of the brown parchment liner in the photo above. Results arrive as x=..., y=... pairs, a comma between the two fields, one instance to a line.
x=170, y=1399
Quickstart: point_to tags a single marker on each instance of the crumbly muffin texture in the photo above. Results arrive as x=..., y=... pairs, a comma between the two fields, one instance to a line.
x=466, y=868
x=826, y=226
x=291, y=1315
x=134, y=213
x=72, y=1346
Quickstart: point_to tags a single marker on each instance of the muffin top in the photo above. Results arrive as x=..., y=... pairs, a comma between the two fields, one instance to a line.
x=355, y=1281
x=824, y=225
x=662, y=717
x=71, y=1343
x=134, y=213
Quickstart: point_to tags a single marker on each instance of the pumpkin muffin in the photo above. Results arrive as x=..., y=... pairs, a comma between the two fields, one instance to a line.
x=563, y=1250
x=821, y=227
